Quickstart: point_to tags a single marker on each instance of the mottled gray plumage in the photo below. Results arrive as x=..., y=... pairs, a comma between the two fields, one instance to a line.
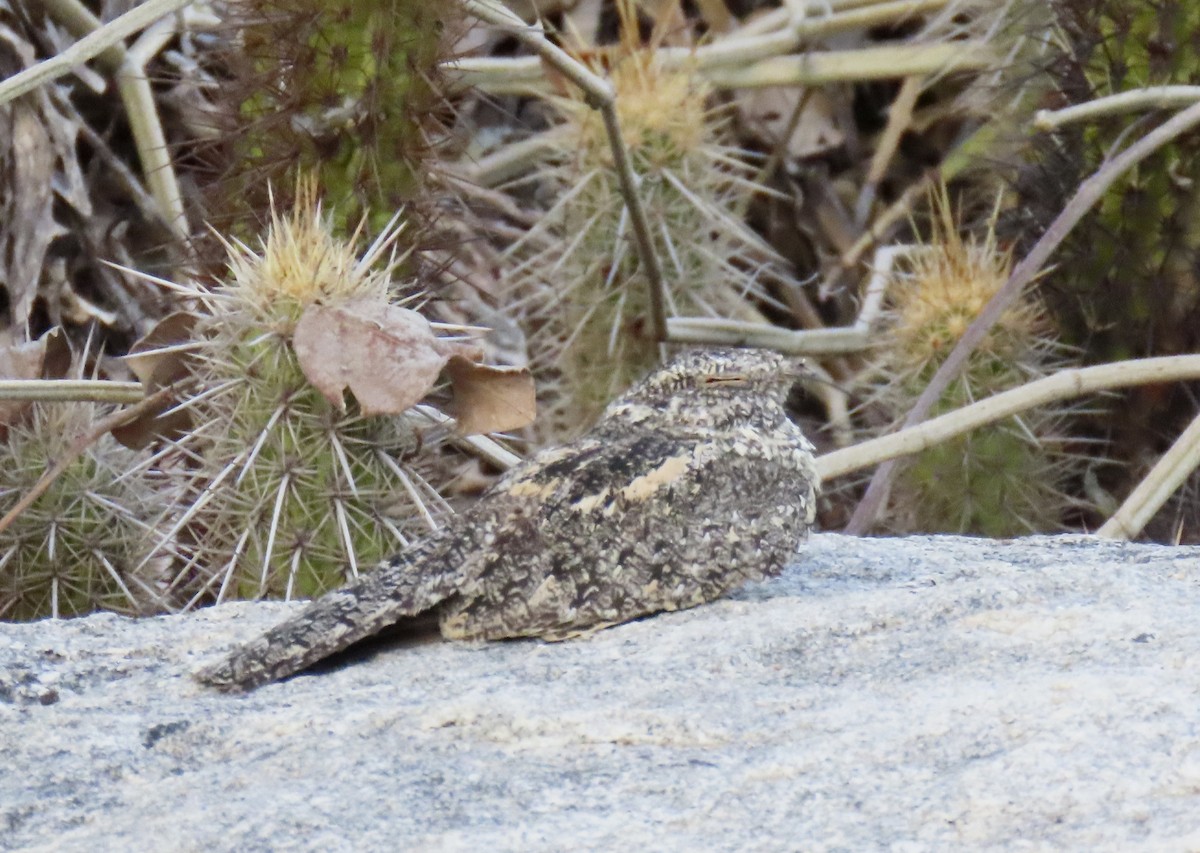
x=692, y=483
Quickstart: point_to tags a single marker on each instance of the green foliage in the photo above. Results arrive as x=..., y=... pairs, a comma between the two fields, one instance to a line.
x=340, y=90
x=1000, y=480
x=1125, y=283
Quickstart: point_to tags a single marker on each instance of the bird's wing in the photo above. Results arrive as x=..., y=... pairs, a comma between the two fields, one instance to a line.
x=556, y=556
x=590, y=473
x=515, y=516
x=403, y=586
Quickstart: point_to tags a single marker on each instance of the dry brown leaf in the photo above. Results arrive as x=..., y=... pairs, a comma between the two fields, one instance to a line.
x=56, y=358
x=27, y=159
x=149, y=359
x=27, y=360
x=388, y=356
x=47, y=357
x=491, y=399
x=156, y=367
x=38, y=171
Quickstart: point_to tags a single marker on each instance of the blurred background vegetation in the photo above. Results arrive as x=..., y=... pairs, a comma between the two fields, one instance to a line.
x=777, y=149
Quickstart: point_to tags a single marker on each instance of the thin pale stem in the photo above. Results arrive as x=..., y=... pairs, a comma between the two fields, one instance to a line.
x=1064, y=385
x=1139, y=100
x=1175, y=466
x=107, y=37
x=66, y=390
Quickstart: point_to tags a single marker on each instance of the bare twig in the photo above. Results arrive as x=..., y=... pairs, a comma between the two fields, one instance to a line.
x=868, y=63
x=900, y=116
x=78, y=19
x=481, y=446
x=775, y=33
x=1089, y=192
x=525, y=77
x=1065, y=384
x=743, y=333
x=110, y=35
x=534, y=36
x=146, y=126
x=776, y=19
x=511, y=160
x=796, y=28
x=63, y=390
x=1175, y=466
x=1149, y=98
x=835, y=341
x=598, y=94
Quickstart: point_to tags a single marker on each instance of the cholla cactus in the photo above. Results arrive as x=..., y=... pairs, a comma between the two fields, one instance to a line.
x=575, y=281
x=1002, y=479
x=72, y=550
x=348, y=92
x=279, y=488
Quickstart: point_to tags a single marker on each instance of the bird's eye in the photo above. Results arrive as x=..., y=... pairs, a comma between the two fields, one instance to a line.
x=725, y=379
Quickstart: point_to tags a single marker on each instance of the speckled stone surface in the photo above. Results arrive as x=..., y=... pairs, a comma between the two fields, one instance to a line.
x=904, y=694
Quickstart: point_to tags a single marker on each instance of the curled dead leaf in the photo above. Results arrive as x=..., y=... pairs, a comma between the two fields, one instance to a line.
x=154, y=358
x=387, y=356
x=490, y=399
x=49, y=357
x=57, y=358
x=157, y=361
x=40, y=359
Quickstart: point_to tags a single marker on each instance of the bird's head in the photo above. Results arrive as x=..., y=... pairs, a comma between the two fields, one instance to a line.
x=717, y=388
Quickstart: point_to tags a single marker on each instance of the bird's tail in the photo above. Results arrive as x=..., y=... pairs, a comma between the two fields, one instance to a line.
x=401, y=587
